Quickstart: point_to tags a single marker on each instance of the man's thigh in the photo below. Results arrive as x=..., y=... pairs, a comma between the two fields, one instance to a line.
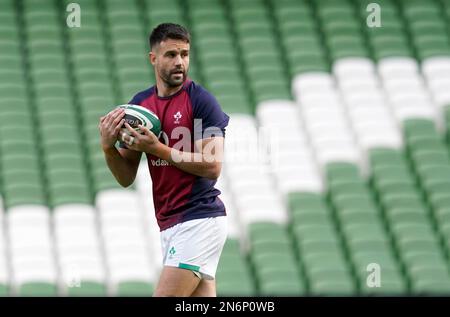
x=206, y=288
x=176, y=282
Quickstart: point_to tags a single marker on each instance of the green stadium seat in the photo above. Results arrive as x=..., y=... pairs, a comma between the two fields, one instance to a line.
x=435, y=172
x=439, y=200
x=232, y=265
x=310, y=246
x=279, y=261
x=63, y=162
x=313, y=63
x=66, y=176
x=53, y=90
x=275, y=247
x=391, y=283
x=424, y=158
x=54, y=133
x=321, y=261
x=23, y=195
x=309, y=42
x=57, y=147
x=9, y=116
x=382, y=156
x=341, y=11
x=18, y=147
x=433, y=288
x=235, y=286
x=268, y=91
x=442, y=216
x=358, y=217
x=7, y=132
x=436, y=186
x=121, y=14
x=103, y=180
x=340, y=187
x=4, y=290
x=45, y=17
x=88, y=43
x=387, y=288
x=386, y=260
x=38, y=289
x=314, y=232
x=319, y=216
x=22, y=177
x=406, y=215
x=392, y=200
x=88, y=75
x=206, y=16
x=355, y=204
x=415, y=127
x=424, y=258
x=12, y=90
x=392, y=187
x=52, y=105
x=346, y=171
x=256, y=29
x=19, y=163
x=47, y=61
x=135, y=289
x=357, y=232
x=257, y=53
x=332, y=288
x=305, y=26
x=281, y=288
x=88, y=289
x=413, y=244
x=267, y=231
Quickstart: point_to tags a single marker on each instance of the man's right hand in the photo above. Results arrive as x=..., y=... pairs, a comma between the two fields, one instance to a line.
x=110, y=126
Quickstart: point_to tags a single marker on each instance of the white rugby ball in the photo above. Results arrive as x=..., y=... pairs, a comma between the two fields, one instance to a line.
x=137, y=115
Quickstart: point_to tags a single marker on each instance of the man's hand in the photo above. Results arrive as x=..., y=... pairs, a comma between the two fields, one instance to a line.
x=109, y=127
x=147, y=142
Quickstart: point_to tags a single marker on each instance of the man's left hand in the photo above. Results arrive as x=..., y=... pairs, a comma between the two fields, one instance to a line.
x=147, y=142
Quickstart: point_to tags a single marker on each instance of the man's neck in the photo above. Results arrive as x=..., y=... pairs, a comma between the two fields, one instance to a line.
x=165, y=91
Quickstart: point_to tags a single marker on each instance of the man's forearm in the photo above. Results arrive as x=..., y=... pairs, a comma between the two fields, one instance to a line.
x=193, y=163
x=120, y=168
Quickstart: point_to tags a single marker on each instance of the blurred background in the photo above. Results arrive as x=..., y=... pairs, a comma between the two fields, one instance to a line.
x=357, y=171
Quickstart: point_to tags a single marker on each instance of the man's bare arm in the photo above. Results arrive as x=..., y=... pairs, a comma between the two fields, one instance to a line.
x=207, y=163
x=123, y=164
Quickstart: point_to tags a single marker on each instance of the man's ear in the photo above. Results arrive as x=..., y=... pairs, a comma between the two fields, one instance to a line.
x=152, y=57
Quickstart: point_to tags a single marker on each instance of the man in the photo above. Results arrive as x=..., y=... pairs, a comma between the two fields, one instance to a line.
x=191, y=217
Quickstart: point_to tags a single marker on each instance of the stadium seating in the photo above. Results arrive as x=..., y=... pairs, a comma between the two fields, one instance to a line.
x=337, y=152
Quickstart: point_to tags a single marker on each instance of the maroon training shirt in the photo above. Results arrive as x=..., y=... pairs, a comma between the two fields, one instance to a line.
x=179, y=196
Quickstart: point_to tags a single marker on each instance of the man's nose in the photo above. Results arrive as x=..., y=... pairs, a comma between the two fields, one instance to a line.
x=178, y=60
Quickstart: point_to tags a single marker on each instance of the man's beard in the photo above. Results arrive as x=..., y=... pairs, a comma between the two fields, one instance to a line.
x=168, y=79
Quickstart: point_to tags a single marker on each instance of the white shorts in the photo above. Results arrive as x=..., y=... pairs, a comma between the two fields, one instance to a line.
x=195, y=245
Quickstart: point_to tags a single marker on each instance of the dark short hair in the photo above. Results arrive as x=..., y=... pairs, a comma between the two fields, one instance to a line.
x=166, y=31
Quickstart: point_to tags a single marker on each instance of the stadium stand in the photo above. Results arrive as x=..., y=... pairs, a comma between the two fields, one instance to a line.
x=337, y=149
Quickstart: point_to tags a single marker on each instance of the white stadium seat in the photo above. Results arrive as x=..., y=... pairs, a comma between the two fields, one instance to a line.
x=397, y=67
x=351, y=66
x=436, y=66
x=74, y=216
x=29, y=215
x=314, y=81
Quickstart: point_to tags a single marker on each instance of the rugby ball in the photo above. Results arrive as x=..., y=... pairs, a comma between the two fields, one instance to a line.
x=137, y=115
